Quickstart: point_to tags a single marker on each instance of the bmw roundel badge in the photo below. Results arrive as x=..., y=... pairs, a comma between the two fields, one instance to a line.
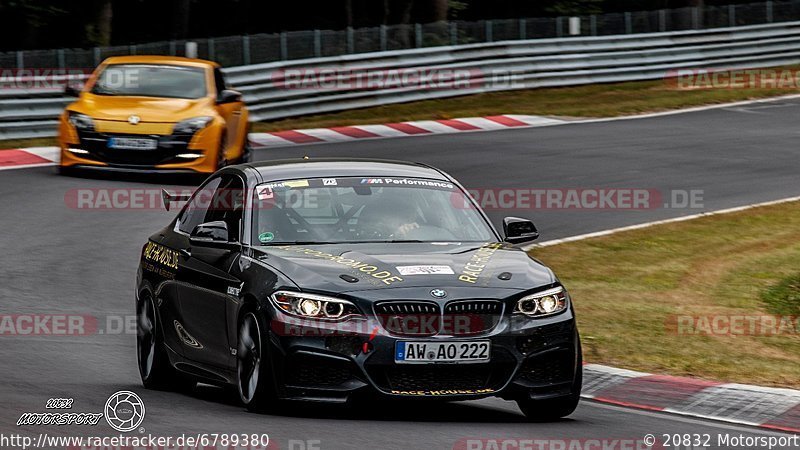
x=438, y=293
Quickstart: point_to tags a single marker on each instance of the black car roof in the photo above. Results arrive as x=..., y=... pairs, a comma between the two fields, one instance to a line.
x=287, y=169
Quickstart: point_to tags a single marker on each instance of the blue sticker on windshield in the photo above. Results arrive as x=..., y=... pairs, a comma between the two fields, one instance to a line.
x=266, y=237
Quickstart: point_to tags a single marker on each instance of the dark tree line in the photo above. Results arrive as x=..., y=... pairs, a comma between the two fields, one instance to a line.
x=31, y=24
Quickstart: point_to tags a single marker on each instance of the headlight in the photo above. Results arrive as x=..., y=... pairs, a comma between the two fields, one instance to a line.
x=80, y=121
x=312, y=306
x=545, y=303
x=191, y=126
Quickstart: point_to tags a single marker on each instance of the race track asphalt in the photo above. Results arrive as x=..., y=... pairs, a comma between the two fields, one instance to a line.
x=57, y=259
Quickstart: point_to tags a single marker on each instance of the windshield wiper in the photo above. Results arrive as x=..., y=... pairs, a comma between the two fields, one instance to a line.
x=391, y=241
x=394, y=241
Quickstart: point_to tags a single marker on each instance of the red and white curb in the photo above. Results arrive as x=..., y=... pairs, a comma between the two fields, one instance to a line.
x=28, y=157
x=773, y=408
x=448, y=126
x=48, y=156
x=400, y=129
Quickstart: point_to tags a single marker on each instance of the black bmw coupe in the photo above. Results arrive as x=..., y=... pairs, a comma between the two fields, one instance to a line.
x=327, y=280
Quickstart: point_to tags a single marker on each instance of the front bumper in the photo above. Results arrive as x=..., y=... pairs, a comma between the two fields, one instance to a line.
x=530, y=359
x=95, y=154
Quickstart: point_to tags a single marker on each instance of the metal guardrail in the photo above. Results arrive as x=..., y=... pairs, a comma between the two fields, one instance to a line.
x=518, y=64
x=231, y=51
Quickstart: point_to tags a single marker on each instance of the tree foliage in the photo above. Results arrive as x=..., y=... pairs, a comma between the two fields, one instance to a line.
x=27, y=24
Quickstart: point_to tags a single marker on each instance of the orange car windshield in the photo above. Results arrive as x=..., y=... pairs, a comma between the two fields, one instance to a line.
x=143, y=80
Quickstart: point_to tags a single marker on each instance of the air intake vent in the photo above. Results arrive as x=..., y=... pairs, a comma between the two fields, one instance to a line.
x=407, y=308
x=469, y=317
x=409, y=318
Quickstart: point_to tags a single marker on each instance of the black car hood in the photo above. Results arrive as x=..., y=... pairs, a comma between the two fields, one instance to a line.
x=341, y=268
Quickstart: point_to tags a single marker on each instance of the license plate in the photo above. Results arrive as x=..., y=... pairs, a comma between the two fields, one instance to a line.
x=444, y=352
x=132, y=144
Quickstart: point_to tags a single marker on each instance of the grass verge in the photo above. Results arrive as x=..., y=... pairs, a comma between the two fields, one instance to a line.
x=27, y=143
x=629, y=289
x=784, y=297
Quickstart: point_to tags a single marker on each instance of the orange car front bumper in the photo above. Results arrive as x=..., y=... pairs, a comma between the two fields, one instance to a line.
x=204, y=146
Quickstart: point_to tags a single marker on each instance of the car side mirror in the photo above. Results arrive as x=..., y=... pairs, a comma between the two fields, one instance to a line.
x=71, y=91
x=229, y=96
x=210, y=233
x=519, y=230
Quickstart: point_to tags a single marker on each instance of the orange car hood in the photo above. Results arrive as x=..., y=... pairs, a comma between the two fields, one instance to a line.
x=149, y=109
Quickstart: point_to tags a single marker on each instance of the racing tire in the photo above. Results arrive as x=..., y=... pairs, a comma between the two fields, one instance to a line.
x=549, y=410
x=154, y=366
x=254, y=381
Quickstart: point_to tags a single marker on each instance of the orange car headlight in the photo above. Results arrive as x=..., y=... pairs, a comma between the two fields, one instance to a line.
x=192, y=126
x=81, y=122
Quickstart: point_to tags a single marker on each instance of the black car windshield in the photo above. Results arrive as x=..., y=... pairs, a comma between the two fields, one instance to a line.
x=354, y=210
x=145, y=80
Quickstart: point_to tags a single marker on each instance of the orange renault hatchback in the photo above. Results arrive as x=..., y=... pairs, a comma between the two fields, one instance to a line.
x=154, y=113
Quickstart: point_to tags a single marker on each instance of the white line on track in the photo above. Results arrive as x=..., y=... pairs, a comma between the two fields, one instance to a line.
x=640, y=226
x=673, y=112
